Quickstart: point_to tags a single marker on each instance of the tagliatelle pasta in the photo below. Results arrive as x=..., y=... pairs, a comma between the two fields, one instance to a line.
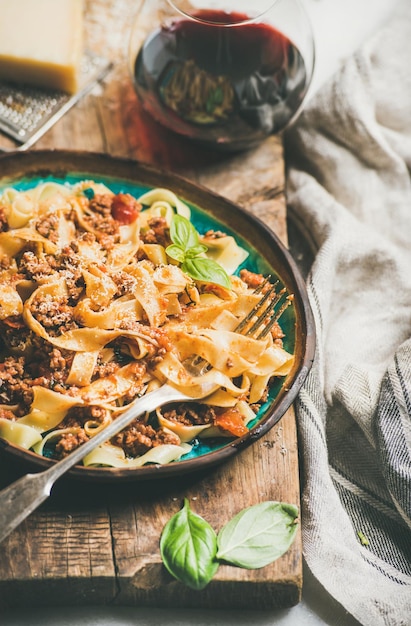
x=102, y=297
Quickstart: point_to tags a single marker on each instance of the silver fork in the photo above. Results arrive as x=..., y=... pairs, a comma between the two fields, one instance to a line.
x=21, y=498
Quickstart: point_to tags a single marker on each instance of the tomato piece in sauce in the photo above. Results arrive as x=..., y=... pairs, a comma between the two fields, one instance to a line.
x=124, y=208
x=231, y=421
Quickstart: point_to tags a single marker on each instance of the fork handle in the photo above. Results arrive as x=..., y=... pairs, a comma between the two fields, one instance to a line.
x=23, y=496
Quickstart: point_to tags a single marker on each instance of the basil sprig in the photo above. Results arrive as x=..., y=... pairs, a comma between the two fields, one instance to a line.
x=188, y=546
x=258, y=535
x=187, y=250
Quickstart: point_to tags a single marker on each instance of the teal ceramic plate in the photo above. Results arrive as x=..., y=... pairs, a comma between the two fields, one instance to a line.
x=267, y=255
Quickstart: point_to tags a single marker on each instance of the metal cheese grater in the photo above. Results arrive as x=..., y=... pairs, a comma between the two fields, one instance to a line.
x=27, y=112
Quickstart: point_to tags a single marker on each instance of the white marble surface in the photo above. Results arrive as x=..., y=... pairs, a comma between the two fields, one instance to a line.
x=316, y=609
x=339, y=27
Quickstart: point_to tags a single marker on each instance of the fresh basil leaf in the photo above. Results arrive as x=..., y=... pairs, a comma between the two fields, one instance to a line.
x=207, y=270
x=188, y=546
x=186, y=249
x=183, y=233
x=195, y=251
x=258, y=535
x=175, y=252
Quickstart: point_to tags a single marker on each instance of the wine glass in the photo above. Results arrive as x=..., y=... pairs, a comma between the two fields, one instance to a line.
x=225, y=73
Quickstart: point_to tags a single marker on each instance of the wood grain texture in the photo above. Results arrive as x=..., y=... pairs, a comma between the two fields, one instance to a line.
x=94, y=544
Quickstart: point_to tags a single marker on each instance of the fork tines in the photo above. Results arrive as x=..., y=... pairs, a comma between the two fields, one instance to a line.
x=266, y=312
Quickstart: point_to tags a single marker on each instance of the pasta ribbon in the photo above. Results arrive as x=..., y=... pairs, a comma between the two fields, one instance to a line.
x=229, y=352
x=19, y=434
x=48, y=409
x=225, y=251
x=112, y=387
x=163, y=203
x=82, y=368
x=147, y=294
x=112, y=456
x=10, y=301
x=110, y=318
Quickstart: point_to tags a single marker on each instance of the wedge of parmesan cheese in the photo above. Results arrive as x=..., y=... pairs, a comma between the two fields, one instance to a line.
x=41, y=42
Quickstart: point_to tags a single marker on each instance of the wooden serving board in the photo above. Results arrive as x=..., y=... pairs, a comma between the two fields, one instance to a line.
x=97, y=544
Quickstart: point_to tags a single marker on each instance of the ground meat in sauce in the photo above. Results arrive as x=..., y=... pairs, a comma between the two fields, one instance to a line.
x=47, y=226
x=5, y=414
x=86, y=237
x=190, y=413
x=106, y=226
x=76, y=418
x=68, y=259
x=104, y=206
x=79, y=415
x=33, y=267
x=12, y=368
x=214, y=234
x=57, y=360
x=53, y=313
x=251, y=279
x=157, y=232
x=52, y=365
x=107, y=242
x=277, y=333
x=137, y=438
x=103, y=369
x=125, y=283
x=100, y=218
x=48, y=367
x=101, y=203
x=12, y=380
x=69, y=442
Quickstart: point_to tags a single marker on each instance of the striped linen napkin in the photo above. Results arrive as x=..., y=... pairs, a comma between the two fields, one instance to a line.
x=349, y=191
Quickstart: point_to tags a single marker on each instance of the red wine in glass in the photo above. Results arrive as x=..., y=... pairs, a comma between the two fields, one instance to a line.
x=229, y=86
